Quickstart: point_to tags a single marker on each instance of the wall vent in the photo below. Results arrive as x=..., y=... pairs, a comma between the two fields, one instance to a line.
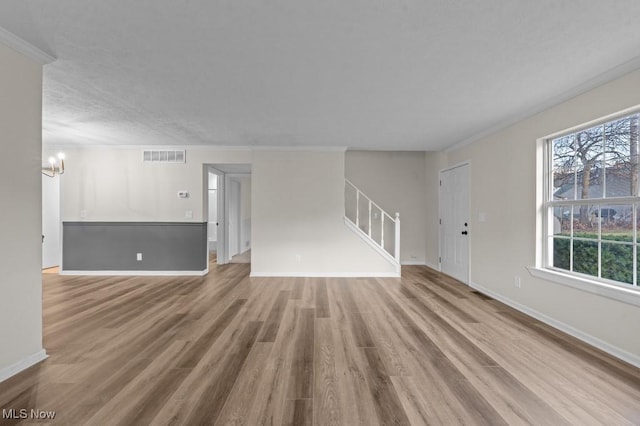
x=163, y=156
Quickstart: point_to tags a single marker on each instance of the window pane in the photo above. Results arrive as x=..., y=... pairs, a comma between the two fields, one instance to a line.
x=634, y=135
x=586, y=223
x=617, y=167
x=589, y=161
x=562, y=220
x=563, y=164
x=617, y=262
x=621, y=148
x=616, y=221
x=585, y=257
x=561, y=253
x=637, y=266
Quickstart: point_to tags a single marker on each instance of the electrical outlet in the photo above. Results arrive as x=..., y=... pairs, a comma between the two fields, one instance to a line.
x=298, y=258
x=517, y=283
x=139, y=257
x=188, y=214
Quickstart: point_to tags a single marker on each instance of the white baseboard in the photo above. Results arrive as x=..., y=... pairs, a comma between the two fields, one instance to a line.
x=432, y=266
x=23, y=364
x=418, y=263
x=138, y=273
x=632, y=359
x=327, y=274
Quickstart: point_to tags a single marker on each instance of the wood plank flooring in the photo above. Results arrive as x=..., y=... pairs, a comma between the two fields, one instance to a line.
x=229, y=349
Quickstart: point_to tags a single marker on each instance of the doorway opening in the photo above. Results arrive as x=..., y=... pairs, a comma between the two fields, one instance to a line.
x=51, y=235
x=228, y=201
x=212, y=220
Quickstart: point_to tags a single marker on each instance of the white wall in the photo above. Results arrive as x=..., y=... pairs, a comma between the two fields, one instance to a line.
x=232, y=189
x=503, y=186
x=112, y=184
x=434, y=162
x=396, y=182
x=51, y=221
x=297, y=216
x=21, y=211
x=245, y=213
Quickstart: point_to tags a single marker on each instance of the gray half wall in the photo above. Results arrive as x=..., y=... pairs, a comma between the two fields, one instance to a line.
x=112, y=246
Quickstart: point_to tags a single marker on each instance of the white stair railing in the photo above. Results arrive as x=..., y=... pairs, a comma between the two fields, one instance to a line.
x=371, y=220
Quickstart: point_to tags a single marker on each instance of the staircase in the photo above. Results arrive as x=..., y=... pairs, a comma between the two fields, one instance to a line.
x=374, y=225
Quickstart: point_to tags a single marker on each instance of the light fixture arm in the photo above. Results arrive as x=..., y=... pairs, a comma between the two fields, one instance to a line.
x=54, y=169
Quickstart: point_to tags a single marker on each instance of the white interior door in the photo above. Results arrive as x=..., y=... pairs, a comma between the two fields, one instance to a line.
x=50, y=221
x=454, y=222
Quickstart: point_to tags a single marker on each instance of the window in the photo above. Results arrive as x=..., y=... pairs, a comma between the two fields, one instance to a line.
x=593, y=202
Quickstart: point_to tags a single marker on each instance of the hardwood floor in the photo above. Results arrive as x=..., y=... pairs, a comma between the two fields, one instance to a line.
x=242, y=257
x=227, y=349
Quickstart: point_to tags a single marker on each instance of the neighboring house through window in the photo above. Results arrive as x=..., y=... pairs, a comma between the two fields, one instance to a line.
x=592, y=202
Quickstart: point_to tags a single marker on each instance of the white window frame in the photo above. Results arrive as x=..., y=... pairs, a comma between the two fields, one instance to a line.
x=544, y=183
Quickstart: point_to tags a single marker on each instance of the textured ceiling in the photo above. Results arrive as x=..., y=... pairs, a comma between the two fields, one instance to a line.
x=368, y=74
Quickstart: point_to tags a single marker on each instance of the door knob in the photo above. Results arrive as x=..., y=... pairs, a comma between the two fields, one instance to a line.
x=464, y=232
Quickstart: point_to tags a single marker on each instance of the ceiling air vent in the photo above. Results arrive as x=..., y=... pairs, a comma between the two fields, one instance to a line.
x=163, y=156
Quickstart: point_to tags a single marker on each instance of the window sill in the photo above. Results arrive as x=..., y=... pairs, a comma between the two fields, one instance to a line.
x=630, y=296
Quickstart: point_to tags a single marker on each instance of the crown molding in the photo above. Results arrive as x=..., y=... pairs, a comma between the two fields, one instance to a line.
x=24, y=47
x=242, y=148
x=299, y=148
x=591, y=84
x=76, y=146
